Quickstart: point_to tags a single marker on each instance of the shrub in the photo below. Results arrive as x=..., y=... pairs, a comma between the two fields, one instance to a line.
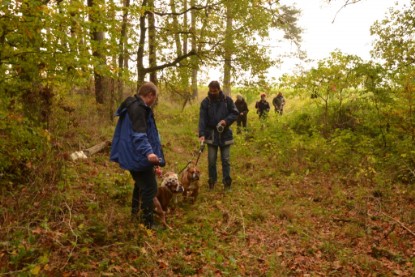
x=23, y=148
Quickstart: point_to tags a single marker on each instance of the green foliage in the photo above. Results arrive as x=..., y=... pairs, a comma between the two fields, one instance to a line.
x=332, y=176
x=23, y=149
x=303, y=124
x=289, y=188
x=393, y=37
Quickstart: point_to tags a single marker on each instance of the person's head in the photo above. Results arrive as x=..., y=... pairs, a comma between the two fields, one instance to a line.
x=279, y=94
x=239, y=97
x=263, y=95
x=214, y=87
x=148, y=92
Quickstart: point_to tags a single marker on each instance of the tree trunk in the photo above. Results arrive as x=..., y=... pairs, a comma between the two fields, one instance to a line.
x=153, y=68
x=228, y=49
x=152, y=51
x=97, y=148
x=194, y=59
x=97, y=38
x=123, y=56
x=36, y=98
x=141, y=72
x=176, y=27
x=185, y=70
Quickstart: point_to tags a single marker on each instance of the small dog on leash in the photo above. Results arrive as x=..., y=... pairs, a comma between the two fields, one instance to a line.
x=189, y=179
x=169, y=186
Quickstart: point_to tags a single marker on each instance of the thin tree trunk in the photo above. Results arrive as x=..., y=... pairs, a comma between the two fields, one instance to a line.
x=123, y=56
x=228, y=49
x=141, y=72
x=185, y=71
x=185, y=24
x=98, y=38
x=176, y=27
x=153, y=68
x=194, y=60
x=152, y=42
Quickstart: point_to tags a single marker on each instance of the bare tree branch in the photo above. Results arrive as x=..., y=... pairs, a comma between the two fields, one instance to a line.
x=172, y=63
x=347, y=3
x=197, y=8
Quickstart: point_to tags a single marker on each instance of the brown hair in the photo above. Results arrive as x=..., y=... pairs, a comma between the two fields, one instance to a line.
x=214, y=84
x=147, y=88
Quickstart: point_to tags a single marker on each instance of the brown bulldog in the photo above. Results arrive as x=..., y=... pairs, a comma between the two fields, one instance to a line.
x=189, y=179
x=169, y=186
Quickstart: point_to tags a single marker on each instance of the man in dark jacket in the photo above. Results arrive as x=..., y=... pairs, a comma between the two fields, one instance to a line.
x=136, y=147
x=262, y=107
x=217, y=113
x=243, y=112
x=278, y=102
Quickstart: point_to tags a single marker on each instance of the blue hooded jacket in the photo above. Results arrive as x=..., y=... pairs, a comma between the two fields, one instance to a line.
x=135, y=136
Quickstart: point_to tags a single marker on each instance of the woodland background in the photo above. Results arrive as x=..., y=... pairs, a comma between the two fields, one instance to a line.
x=325, y=189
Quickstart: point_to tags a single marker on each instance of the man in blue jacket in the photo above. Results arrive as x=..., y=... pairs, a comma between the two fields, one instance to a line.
x=136, y=147
x=217, y=113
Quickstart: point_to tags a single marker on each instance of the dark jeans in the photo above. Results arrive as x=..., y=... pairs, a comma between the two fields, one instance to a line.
x=241, y=120
x=226, y=165
x=263, y=115
x=279, y=110
x=145, y=189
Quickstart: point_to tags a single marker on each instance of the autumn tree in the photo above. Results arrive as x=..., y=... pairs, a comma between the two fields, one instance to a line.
x=246, y=25
x=331, y=84
x=394, y=45
x=25, y=59
x=97, y=7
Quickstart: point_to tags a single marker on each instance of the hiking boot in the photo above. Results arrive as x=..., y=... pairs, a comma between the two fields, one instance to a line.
x=156, y=227
x=134, y=218
x=211, y=185
x=227, y=184
x=147, y=219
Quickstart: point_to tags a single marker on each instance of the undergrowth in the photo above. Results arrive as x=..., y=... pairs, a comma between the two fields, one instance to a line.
x=300, y=205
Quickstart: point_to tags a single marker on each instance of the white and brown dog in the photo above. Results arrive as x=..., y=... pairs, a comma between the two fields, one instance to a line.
x=189, y=179
x=169, y=186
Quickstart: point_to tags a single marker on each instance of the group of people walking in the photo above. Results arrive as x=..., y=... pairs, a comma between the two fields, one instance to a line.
x=263, y=106
x=136, y=144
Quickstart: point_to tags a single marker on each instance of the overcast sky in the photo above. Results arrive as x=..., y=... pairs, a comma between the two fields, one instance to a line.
x=349, y=32
x=327, y=27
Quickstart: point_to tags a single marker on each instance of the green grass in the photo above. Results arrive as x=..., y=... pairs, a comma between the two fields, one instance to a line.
x=287, y=215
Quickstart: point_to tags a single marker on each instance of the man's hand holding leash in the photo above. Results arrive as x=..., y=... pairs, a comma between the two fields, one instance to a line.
x=154, y=159
x=158, y=171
